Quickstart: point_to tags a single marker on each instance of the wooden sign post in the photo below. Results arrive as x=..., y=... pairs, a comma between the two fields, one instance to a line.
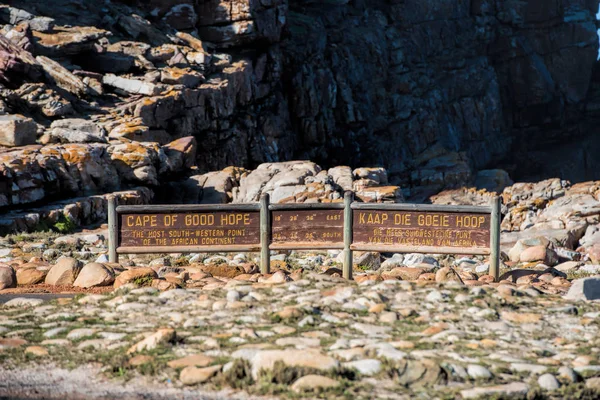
x=347, y=226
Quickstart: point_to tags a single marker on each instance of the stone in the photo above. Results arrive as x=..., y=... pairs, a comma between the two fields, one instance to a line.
x=193, y=375
x=76, y=130
x=367, y=260
x=194, y=360
x=31, y=275
x=8, y=277
x=548, y=382
x=162, y=336
x=62, y=77
x=447, y=274
x=584, y=289
x=266, y=359
x=132, y=86
x=142, y=276
x=94, y=274
x=17, y=130
x=405, y=273
x=23, y=302
x=509, y=389
x=37, y=351
x=181, y=76
x=64, y=272
x=313, y=382
x=539, y=253
x=365, y=367
x=478, y=372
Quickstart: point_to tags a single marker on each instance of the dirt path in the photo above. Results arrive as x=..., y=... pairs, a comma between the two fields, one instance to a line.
x=86, y=383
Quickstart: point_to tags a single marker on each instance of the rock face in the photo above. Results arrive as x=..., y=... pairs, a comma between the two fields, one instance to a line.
x=435, y=92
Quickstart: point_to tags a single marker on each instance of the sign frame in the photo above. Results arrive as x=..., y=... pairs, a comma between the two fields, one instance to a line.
x=265, y=233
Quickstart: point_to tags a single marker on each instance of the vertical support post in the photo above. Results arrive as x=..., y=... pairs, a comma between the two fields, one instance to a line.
x=495, y=239
x=265, y=234
x=347, y=268
x=113, y=257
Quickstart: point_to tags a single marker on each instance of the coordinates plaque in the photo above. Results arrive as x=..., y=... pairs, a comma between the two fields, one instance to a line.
x=312, y=228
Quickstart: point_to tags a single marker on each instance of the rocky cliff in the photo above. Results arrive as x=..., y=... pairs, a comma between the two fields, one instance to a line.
x=150, y=92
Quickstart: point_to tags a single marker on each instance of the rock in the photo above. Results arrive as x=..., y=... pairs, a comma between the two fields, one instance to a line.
x=266, y=359
x=313, y=382
x=37, y=351
x=539, y=253
x=162, y=336
x=17, y=130
x=478, y=372
x=8, y=277
x=514, y=253
x=23, y=302
x=584, y=289
x=593, y=383
x=493, y=180
x=132, y=86
x=181, y=76
x=75, y=130
x=447, y=274
x=141, y=276
x=194, y=360
x=62, y=77
x=64, y=272
x=548, y=382
x=509, y=389
x=95, y=274
x=31, y=275
x=368, y=260
x=67, y=40
x=192, y=375
x=405, y=273
x=365, y=367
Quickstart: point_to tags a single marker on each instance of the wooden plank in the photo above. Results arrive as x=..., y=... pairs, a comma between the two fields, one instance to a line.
x=420, y=249
x=422, y=207
x=187, y=249
x=197, y=229
x=181, y=208
x=421, y=231
x=305, y=246
x=307, y=206
x=318, y=226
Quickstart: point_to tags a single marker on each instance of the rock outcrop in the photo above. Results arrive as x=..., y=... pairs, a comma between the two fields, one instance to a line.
x=436, y=92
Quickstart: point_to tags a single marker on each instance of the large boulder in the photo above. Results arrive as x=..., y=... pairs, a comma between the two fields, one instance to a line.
x=95, y=274
x=8, y=278
x=31, y=275
x=64, y=272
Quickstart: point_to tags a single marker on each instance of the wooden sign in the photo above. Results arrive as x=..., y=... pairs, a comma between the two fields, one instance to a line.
x=315, y=228
x=264, y=227
x=402, y=229
x=233, y=230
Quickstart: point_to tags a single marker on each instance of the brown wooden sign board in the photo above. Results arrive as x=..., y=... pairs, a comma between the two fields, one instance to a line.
x=312, y=229
x=188, y=231
x=421, y=231
x=348, y=226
